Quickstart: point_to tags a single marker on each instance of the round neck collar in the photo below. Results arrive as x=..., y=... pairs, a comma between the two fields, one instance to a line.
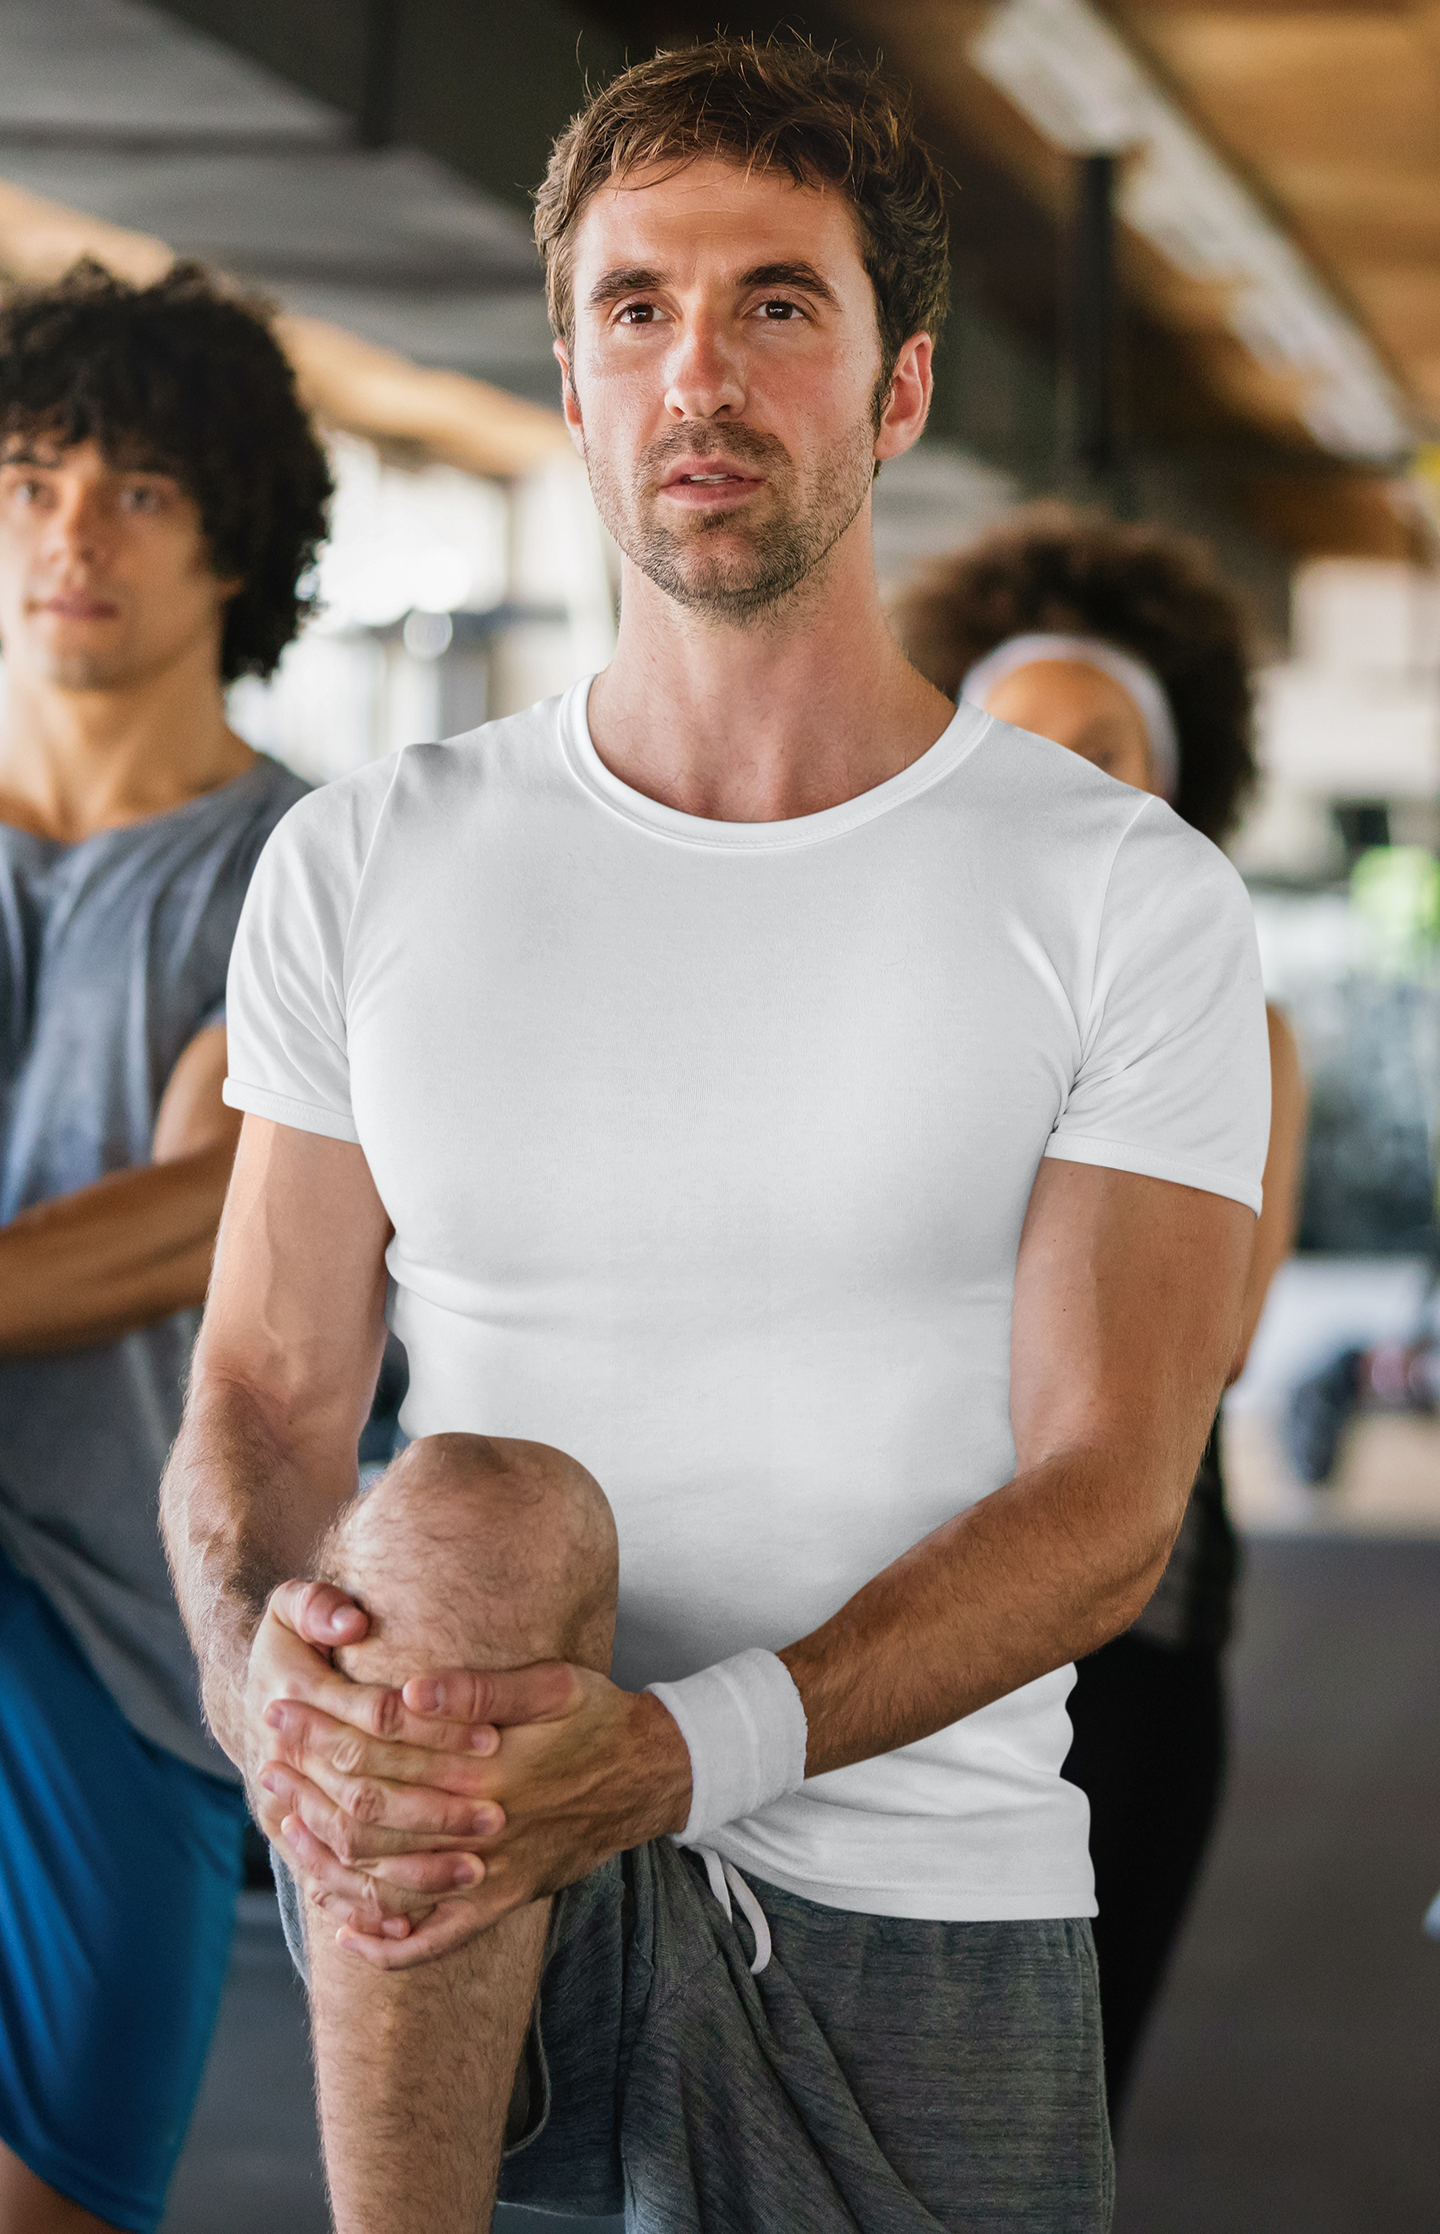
x=954, y=743
x=233, y=787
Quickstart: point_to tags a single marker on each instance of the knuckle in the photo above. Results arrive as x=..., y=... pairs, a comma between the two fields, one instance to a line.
x=364, y=1801
x=348, y=1755
x=343, y=1839
x=386, y=1713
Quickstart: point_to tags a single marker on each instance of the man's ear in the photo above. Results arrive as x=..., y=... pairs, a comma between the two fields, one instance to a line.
x=907, y=407
x=569, y=401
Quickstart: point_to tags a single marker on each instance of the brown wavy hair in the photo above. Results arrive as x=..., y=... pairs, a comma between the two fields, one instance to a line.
x=780, y=105
x=1150, y=591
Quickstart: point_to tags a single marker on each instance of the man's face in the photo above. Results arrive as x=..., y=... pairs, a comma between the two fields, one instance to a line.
x=105, y=578
x=722, y=383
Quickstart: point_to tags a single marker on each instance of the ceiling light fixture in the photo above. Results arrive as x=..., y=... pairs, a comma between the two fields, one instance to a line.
x=1077, y=82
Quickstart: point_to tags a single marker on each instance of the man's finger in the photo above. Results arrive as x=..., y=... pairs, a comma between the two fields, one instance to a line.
x=308, y=1736
x=447, y=1927
x=320, y=1613
x=346, y=1897
x=366, y=1824
x=500, y=1697
x=290, y=1667
x=428, y=1873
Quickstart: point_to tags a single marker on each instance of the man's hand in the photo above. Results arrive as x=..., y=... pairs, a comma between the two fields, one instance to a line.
x=579, y=1771
x=374, y=1779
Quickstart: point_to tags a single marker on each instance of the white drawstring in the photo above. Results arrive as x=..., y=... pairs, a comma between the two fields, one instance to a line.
x=725, y=1880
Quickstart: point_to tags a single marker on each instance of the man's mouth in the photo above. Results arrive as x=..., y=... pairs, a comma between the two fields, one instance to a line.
x=701, y=483
x=75, y=605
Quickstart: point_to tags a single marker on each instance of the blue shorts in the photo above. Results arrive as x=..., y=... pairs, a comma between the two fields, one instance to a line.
x=119, y=1869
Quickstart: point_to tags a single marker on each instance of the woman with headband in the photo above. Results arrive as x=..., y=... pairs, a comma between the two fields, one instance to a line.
x=1121, y=644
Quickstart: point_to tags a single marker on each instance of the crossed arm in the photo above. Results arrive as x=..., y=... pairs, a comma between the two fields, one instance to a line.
x=92, y=1265
x=1128, y=1305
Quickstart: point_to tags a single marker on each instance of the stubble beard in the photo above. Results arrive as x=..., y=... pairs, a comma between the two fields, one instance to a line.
x=783, y=553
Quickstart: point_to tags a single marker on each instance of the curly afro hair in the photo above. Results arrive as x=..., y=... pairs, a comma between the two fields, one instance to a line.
x=1145, y=589
x=187, y=378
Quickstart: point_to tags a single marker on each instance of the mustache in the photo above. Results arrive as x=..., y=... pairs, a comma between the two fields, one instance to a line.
x=744, y=445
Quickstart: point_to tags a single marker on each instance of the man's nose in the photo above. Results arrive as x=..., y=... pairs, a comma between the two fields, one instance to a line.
x=705, y=374
x=76, y=528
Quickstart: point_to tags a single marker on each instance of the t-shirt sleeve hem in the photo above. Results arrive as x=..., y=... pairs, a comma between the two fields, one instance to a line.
x=304, y=1116
x=1124, y=1155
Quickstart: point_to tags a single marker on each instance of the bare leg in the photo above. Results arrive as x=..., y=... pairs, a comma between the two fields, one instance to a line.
x=469, y=1553
x=29, y=2206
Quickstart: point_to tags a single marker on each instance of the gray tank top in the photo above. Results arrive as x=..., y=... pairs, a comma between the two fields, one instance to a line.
x=113, y=956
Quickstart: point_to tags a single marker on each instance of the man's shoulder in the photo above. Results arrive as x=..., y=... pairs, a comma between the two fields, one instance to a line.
x=1041, y=811
x=423, y=784
x=1059, y=809
x=413, y=811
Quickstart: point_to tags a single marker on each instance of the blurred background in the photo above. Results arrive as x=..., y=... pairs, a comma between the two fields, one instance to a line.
x=1197, y=280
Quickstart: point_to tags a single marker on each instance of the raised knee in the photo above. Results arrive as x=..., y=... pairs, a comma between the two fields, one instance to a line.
x=478, y=1552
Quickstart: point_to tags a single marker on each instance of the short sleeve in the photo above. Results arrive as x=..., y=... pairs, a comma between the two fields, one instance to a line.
x=1174, y=1075
x=285, y=997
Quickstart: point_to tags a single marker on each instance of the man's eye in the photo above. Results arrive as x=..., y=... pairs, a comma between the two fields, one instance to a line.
x=141, y=500
x=636, y=314
x=779, y=313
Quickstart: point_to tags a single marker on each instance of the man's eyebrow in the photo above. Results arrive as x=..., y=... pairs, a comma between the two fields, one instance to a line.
x=639, y=279
x=625, y=279
x=46, y=458
x=800, y=275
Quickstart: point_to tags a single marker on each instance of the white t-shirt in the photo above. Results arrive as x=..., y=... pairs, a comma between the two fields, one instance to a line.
x=707, y=1148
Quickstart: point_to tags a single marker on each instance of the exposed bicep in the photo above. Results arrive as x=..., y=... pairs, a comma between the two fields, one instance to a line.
x=297, y=1298
x=1128, y=1294
x=192, y=1115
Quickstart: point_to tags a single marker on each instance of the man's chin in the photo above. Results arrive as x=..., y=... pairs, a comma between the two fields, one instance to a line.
x=730, y=589
x=83, y=671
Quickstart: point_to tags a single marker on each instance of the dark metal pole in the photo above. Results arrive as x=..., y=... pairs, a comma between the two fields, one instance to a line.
x=1093, y=318
x=378, y=88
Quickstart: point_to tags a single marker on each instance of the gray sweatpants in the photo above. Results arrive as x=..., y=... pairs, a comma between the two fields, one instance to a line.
x=880, y=2076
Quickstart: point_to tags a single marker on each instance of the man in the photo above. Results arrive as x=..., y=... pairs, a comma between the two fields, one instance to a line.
x=160, y=495
x=719, y=1062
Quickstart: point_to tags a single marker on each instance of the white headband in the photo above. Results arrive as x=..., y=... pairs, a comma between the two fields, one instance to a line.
x=1139, y=682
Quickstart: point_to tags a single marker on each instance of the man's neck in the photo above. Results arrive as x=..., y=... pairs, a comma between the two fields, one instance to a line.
x=75, y=762
x=803, y=710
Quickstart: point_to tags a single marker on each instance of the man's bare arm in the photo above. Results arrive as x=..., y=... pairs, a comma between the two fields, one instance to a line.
x=93, y=1265
x=283, y=1375
x=1127, y=1300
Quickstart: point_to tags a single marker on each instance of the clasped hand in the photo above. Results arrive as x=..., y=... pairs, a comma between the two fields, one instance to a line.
x=415, y=1816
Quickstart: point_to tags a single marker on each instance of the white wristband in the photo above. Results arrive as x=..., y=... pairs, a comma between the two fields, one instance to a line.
x=745, y=1731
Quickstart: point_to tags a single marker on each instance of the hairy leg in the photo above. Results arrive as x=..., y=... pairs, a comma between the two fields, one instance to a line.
x=486, y=1555
x=29, y=2206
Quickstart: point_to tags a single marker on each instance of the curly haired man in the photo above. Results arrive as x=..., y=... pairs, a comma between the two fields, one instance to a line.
x=161, y=494
x=804, y=1110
